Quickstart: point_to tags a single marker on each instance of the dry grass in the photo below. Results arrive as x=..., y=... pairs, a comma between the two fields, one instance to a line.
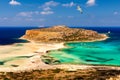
x=58, y=74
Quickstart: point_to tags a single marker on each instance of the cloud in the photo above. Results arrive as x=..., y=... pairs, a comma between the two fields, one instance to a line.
x=46, y=12
x=90, y=2
x=116, y=13
x=71, y=4
x=4, y=18
x=13, y=2
x=25, y=14
x=49, y=4
x=28, y=14
x=47, y=7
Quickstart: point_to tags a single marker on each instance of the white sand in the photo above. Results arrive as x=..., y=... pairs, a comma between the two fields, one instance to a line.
x=28, y=49
x=33, y=63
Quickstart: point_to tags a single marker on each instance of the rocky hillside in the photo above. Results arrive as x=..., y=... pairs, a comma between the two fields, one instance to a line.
x=62, y=34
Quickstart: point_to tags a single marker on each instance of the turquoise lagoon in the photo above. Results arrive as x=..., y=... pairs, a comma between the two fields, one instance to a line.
x=105, y=52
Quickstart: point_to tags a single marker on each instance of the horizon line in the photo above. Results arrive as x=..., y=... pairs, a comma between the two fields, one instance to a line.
x=55, y=25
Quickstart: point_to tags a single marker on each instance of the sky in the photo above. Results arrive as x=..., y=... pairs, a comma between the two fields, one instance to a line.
x=59, y=12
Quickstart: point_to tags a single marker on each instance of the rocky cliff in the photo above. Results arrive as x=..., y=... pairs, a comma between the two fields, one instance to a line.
x=62, y=34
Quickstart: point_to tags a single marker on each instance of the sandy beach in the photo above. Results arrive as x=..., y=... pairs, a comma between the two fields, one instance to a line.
x=11, y=55
x=36, y=50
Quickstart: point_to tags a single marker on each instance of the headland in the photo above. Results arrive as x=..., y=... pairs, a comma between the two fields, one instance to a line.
x=46, y=39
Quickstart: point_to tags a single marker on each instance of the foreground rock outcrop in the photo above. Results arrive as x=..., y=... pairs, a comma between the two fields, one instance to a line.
x=62, y=34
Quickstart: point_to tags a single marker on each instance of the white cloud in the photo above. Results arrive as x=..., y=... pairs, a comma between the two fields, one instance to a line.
x=71, y=4
x=46, y=8
x=90, y=3
x=25, y=14
x=51, y=3
x=28, y=14
x=13, y=2
x=46, y=12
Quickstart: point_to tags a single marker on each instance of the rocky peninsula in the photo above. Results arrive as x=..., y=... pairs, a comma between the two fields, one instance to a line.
x=28, y=64
x=63, y=33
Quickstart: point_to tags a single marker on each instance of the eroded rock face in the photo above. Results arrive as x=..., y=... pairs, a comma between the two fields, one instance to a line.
x=62, y=34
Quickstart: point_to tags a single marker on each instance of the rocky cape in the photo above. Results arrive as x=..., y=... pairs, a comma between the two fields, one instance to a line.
x=62, y=33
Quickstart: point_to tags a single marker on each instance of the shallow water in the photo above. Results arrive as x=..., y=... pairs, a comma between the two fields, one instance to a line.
x=97, y=53
x=101, y=53
x=12, y=49
x=16, y=54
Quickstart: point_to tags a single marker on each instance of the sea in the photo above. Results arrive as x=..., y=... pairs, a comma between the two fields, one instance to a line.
x=10, y=35
x=105, y=52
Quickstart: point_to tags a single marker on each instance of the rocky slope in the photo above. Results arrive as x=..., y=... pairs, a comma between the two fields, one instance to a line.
x=62, y=34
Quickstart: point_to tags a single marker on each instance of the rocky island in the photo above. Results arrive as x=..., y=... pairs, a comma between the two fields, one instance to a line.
x=63, y=33
x=31, y=63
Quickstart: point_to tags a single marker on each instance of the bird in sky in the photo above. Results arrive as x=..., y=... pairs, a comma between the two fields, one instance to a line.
x=80, y=9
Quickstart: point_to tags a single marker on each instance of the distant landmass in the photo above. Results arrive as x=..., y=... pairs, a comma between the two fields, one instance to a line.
x=62, y=33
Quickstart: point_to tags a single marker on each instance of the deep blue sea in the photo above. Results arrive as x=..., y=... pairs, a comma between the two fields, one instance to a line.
x=10, y=35
x=96, y=53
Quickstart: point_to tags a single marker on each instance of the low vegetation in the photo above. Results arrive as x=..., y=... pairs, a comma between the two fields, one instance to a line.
x=62, y=34
x=58, y=74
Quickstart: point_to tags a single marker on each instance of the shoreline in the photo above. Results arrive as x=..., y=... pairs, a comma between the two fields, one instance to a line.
x=35, y=62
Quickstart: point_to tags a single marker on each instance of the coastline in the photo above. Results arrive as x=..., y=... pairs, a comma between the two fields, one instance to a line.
x=105, y=38
x=35, y=62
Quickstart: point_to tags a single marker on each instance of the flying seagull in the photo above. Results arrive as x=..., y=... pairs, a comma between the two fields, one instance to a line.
x=79, y=9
